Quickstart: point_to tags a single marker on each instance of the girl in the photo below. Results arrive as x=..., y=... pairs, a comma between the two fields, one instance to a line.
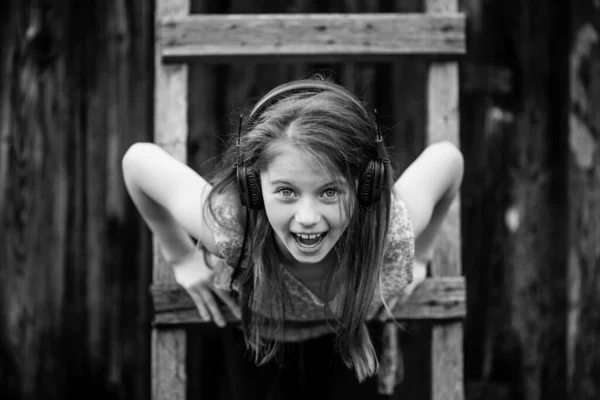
x=303, y=235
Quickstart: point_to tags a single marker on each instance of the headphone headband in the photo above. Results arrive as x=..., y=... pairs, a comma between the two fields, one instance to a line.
x=294, y=87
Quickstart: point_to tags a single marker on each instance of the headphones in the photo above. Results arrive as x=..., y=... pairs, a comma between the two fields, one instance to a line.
x=371, y=180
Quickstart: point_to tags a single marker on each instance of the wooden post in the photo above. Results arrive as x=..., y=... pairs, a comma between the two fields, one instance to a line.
x=75, y=84
x=171, y=129
x=583, y=342
x=537, y=245
x=442, y=124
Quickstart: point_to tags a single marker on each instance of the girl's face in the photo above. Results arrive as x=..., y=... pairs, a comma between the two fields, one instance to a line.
x=304, y=206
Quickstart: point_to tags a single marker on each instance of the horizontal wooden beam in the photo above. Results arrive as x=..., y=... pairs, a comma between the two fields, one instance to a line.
x=223, y=37
x=435, y=298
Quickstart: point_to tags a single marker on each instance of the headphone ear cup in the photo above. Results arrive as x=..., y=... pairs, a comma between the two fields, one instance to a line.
x=369, y=186
x=378, y=181
x=242, y=185
x=254, y=190
x=365, y=185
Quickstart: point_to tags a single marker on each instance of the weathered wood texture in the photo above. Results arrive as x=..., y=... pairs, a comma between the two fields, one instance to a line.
x=537, y=246
x=491, y=350
x=516, y=209
x=170, y=132
x=74, y=83
x=583, y=352
x=435, y=299
x=443, y=124
x=311, y=35
x=65, y=109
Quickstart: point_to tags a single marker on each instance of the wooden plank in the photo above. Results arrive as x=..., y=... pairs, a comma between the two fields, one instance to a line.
x=583, y=267
x=436, y=298
x=446, y=347
x=170, y=110
x=536, y=252
x=310, y=35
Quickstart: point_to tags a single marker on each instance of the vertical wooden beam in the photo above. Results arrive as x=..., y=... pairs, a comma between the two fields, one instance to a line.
x=583, y=269
x=170, y=112
x=536, y=248
x=442, y=124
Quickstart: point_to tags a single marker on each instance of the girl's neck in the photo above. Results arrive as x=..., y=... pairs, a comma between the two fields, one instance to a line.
x=313, y=276
x=309, y=273
x=319, y=269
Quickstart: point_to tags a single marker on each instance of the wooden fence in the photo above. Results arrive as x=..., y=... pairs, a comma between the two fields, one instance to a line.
x=76, y=90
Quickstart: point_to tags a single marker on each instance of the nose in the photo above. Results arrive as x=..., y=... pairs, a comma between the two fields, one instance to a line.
x=306, y=213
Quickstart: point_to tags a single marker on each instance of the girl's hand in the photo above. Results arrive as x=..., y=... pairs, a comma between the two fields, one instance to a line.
x=419, y=275
x=195, y=276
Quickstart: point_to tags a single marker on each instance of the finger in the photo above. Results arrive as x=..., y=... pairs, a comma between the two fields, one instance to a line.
x=229, y=302
x=213, y=307
x=199, y=302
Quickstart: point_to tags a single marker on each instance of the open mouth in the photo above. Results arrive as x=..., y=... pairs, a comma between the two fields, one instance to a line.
x=309, y=240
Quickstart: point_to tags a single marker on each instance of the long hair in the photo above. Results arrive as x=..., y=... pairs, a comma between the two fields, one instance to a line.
x=339, y=135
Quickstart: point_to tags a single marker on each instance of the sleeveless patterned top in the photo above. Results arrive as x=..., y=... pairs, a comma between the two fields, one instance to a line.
x=305, y=318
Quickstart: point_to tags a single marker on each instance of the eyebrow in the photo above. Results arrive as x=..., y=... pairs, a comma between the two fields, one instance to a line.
x=284, y=182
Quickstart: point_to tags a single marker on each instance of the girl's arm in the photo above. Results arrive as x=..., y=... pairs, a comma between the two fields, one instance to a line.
x=170, y=197
x=428, y=187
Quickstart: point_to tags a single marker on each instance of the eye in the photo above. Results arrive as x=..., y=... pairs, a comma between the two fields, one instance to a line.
x=285, y=192
x=330, y=193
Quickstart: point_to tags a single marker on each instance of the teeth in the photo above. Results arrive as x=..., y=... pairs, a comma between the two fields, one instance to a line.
x=304, y=236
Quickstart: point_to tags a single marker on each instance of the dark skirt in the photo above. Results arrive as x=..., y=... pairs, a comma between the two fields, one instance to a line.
x=220, y=368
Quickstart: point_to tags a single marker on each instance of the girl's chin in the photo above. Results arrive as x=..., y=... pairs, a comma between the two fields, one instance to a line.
x=302, y=258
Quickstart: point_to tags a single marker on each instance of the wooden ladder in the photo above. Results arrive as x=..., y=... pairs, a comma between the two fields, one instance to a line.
x=182, y=37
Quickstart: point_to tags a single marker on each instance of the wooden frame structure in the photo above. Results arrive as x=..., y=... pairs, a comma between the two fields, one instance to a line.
x=181, y=37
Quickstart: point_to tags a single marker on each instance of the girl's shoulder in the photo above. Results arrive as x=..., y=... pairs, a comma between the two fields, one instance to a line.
x=400, y=225
x=399, y=252
x=228, y=225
